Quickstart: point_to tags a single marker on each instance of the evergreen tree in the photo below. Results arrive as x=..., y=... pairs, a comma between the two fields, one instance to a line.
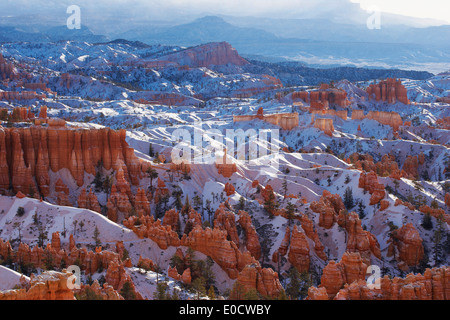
x=348, y=199
x=293, y=288
x=127, y=291
x=427, y=222
x=211, y=293
x=96, y=237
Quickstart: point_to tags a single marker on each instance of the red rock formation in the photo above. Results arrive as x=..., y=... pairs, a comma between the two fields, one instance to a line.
x=410, y=168
x=50, y=285
x=264, y=280
x=213, y=243
x=220, y=53
x=287, y=121
x=323, y=98
x=229, y=189
x=31, y=152
x=105, y=292
x=252, y=240
x=359, y=240
x=329, y=207
x=56, y=241
x=447, y=199
x=325, y=125
x=89, y=201
x=299, y=250
x=409, y=244
x=390, y=91
x=384, y=204
x=432, y=285
x=392, y=119
x=147, y=227
x=369, y=182
x=351, y=268
x=226, y=220
x=141, y=203
x=172, y=219
x=311, y=232
x=161, y=190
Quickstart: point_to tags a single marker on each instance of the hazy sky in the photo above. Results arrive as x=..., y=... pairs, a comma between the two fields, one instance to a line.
x=166, y=9
x=435, y=9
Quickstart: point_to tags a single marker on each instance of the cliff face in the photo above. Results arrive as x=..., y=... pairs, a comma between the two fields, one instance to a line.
x=390, y=91
x=392, y=119
x=409, y=245
x=432, y=285
x=335, y=275
x=30, y=153
x=50, y=285
x=264, y=280
x=323, y=98
x=369, y=182
x=387, y=167
x=359, y=240
x=325, y=125
x=328, y=207
x=218, y=53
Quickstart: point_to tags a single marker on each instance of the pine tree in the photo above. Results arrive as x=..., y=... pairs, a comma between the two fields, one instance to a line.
x=293, y=288
x=127, y=291
x=151, y=152
x=348, y=199
x=96, y=237
x=211, y=293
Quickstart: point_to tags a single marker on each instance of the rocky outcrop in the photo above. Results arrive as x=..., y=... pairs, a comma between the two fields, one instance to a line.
x=32, y=152
x=369, y=182
x=172, y=219
x=229, y=189
x=323, y=98
x=298, y=254
x=105, y=292
x=359, y=240
x=287, y=121
x=50, y=285
x=351, y=268
x=409, y=245
x=226, y=220
x=217, y=54
x=410, y=168
x=88, y=201
x=387, y=167
x=147, y=227
x=328, y=207
x=251, y=237
x=432, y=285
x=392, y=119
x=264, y=280
x=390, y=91
x=325, y=125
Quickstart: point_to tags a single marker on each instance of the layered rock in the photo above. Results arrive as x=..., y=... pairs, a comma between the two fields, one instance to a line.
x=219, y=53
x=328, y=207
x=50, y=285
x=410, y=168
x=264, y=280
x=298, y=254
x=351, y=268
x=251, y=237
x=287, y=121
x=409, y=245
x=390, y=91
x=359, y=240
x=392, y=119
x=325, y=125
x=432, y=285
x=32, y=152
x=369, y=182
